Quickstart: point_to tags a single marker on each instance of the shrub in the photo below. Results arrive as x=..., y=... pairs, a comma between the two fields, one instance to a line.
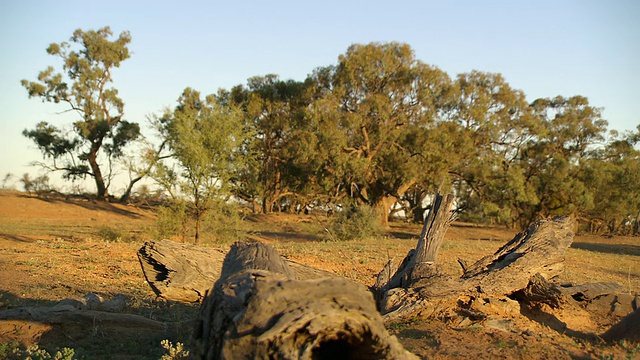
x=109, y=234
x=355, y=223
x=223, y=223
x=175, y=352
x=172, y=220
x=13, y=350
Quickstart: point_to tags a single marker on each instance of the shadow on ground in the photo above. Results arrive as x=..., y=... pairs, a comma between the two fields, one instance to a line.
x=622, y=249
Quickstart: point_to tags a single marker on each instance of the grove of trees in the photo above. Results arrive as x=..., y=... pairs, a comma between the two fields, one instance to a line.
x=380, y=128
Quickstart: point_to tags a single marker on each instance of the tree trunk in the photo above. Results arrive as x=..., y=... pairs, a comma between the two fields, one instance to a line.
x=184, y=273
x=198, y=220
x=127, y=193
x=258, y=310
x=417, y=286
x=101, y=189
x=433, y=230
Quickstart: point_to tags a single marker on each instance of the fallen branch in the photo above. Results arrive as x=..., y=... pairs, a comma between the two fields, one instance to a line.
x=257, y=309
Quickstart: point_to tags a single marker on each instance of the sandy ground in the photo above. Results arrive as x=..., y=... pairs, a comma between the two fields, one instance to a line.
x=52, y=249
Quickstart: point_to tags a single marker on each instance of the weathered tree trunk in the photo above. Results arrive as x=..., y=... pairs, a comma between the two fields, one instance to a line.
x=258, y=310
x=431, y=237
x=416, y=286
x=183, y=272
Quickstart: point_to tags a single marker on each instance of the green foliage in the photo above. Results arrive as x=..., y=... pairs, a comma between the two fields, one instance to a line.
x=206, y=138
x=611, y=177
x=354, y=223
x=108, y=233
x=380, y=126
x=274, y=113
x=100, y=133
x=13, y=350
x=370, y=118
x=172, y=220
x=222, y=222
x=174, y=352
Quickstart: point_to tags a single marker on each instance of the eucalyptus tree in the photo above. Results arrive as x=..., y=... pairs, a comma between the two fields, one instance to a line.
x=612, y=178
x=365, y=111
x=101, y=132
x=572, y=129
x=491, y=122
x=274, y=110
x=204, y=138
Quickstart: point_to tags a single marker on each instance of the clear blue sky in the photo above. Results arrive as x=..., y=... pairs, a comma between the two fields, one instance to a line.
x=545, y=48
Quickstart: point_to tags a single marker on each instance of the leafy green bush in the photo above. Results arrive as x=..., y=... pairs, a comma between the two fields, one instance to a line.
x=172, y=220
x=110, y=234
x=223, y=223
x=354, y=223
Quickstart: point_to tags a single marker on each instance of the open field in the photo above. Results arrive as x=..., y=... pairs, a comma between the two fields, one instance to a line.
x=52, y=249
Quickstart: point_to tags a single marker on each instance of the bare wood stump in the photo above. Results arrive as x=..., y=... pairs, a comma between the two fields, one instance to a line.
x=257, y=309
x=184, y=273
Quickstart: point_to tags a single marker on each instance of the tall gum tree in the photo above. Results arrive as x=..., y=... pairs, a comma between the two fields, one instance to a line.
x=273, y=109
x=101, y=133
x=369, y=105
x=490, y=122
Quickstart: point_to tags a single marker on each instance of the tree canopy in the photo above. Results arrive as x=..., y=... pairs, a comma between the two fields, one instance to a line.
x=379, y=128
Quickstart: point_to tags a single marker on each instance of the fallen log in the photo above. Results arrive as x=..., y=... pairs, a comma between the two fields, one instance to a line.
x=257, y=309
x=418, y=286
x=184, y=273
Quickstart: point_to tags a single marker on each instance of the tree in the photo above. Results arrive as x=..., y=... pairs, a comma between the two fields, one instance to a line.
x=488, y=121
x=274, y=111
x=101, y=132
x=365, y=115
x=551, y=162
x=204, y=137
x=611, y=176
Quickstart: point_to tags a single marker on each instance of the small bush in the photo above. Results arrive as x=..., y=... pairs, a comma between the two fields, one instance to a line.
x=175, y=352
x=39, y=185
x=355, y=223
x=172, y=220
x=223, y=223
x=110, y=234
